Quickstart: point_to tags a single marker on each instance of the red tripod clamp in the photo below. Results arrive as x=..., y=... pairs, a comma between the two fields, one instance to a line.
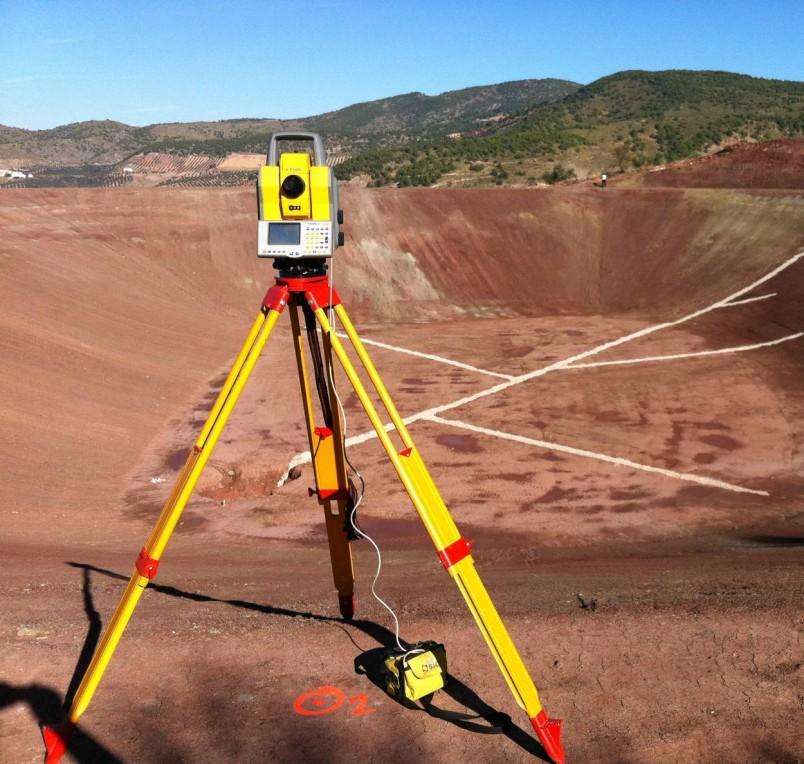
x=316, y=287
x=146, y=565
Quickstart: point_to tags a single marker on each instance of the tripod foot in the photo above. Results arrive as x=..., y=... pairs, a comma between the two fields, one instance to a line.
x=346, y=602
x=57, y=738
x=549, y=732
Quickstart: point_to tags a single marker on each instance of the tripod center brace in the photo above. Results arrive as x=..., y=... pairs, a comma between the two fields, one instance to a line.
x=314, y=295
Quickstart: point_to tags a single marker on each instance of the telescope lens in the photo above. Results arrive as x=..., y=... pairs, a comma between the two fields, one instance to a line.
x=293, y=187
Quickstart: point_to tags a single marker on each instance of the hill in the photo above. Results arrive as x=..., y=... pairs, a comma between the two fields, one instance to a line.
x=514, y=133
x=629, y=119
x=394, y=121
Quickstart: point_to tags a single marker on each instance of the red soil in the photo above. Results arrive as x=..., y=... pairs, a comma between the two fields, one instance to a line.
x=121, y=311
x=769, y=164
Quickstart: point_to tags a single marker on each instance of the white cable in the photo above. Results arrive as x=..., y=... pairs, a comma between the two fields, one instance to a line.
x=359, y=531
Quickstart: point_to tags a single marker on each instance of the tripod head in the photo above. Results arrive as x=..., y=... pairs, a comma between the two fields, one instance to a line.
x=297, y=201
x=300, y=268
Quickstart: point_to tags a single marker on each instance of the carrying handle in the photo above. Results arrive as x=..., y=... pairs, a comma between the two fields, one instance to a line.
x=319, y=155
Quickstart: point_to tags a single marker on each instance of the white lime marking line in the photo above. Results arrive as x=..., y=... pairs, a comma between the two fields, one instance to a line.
x=429, y=357
x=304, y=456
x=606, y=345
x=750, y=299
x=719, y=351
x=620, y=462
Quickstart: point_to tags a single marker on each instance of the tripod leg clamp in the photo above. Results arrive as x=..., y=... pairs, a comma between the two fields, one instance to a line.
x=317, y=296
x=455, y=552
x=276, y=298
x=147, y=565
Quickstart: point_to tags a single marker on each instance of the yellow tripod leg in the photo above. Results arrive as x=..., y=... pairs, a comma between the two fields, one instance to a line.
x=453, y=550
x=329, y=467
x=57, y=738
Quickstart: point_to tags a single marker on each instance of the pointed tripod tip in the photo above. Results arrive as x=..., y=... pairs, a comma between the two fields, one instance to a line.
x=549, y=732
x=56, y=738
x=346, y=603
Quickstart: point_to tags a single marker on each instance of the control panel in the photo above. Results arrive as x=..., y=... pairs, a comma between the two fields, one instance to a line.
x=305, y=238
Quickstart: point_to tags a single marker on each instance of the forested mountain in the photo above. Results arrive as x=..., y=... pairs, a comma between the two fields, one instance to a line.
x=396, y=121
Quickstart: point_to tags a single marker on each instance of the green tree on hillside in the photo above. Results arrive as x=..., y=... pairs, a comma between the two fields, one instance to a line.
x=558, y=173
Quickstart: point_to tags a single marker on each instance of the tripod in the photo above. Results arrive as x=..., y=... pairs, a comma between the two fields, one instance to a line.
x=308, y=288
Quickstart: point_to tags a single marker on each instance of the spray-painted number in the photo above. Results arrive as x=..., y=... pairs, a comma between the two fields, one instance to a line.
x=328, y=699
x=361, y=706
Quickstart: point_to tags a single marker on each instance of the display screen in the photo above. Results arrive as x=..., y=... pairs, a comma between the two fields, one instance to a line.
x=284, y=234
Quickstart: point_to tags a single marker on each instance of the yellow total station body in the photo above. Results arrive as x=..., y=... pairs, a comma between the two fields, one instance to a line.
x=298, y=215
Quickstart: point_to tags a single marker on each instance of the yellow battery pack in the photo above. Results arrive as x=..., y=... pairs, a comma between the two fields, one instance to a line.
x=417, y=672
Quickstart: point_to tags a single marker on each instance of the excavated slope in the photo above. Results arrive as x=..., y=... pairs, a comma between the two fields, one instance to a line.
x=117, y=305
x=411, y=255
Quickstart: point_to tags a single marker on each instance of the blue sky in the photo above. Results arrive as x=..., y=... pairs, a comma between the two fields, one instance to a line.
x=142, y=62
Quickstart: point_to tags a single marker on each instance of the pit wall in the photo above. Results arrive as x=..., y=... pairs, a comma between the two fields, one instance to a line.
x=418, y=254
x=411, y=254
x=120, y=305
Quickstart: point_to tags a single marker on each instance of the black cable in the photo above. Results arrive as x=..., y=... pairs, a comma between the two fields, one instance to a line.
x=318, y=364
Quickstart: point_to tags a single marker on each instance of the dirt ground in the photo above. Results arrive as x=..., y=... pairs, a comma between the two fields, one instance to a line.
x=622, y=441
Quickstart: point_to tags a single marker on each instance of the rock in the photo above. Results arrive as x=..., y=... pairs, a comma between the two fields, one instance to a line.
x=294, y=473
x=590, y=605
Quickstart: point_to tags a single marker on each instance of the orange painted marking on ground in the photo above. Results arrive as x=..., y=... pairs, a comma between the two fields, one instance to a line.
x=327, y=699
x=361, y=706
x=318, y=699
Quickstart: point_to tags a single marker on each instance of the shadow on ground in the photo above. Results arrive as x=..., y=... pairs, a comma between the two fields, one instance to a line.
x=780, y=541
x=371, y=663
x=484, y=719
x=49, y=707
